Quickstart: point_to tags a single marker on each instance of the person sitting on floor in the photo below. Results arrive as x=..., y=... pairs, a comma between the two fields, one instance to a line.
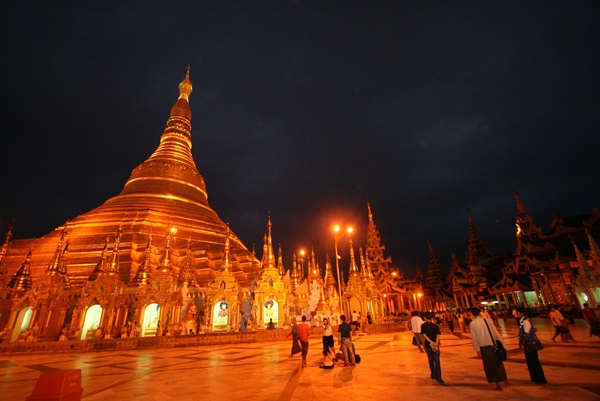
x=327, y=361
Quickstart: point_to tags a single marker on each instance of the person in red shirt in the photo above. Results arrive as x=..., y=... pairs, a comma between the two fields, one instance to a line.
x=303, y=334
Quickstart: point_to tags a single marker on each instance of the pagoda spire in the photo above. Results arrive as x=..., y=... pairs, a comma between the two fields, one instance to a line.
x=171, y=167
x=6, y=244
x=21, y=281
x=114, y=263
x=365, y=273
x=186, y=275
x=418, y=275
x=166, y=265
x=268, y=254
x=581, y=260
x=525, y=224
x=3, y=253
x=226, y=264
x=329, y=278
x=280, y=267
x=479, y=252
x=375, y=259
x=435, y=274
x=54, y=268
x=594, y=250
x=63, y=266
x=101, y=265
x=353, y=266
x=144, y=272
x=315, y=270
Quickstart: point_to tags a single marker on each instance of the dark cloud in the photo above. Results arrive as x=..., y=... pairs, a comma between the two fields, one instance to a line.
x=307, y=110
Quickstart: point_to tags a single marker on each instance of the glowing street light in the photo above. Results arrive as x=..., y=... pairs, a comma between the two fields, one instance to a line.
x=337, y=235
x=302, y=262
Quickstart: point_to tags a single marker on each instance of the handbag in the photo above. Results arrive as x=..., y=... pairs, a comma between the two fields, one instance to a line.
x=535, y=344
x=414, y=342
x=499, y=349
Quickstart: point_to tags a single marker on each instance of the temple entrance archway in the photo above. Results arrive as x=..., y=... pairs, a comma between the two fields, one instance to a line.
x=150, y=320
x=22, y=323
x=93, y=314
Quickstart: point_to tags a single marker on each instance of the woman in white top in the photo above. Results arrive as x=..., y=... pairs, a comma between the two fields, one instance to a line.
x=327, y=336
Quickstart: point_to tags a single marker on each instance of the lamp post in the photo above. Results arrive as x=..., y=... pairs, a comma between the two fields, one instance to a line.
x=337, y=236
x=302, y=263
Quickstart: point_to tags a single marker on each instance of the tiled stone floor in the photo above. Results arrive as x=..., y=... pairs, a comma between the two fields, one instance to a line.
x=391, y=369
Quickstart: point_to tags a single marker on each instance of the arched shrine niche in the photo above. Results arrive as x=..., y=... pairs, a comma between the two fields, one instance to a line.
x=93, y=314
x=22, y=323
x=271, y=311
x=150, y=320
x=220, y=316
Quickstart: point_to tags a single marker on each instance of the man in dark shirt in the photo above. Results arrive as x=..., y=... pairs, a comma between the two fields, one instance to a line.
x=345, y=341
x=431, y=333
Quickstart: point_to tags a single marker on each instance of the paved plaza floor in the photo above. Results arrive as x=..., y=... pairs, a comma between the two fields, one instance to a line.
x=391, y=369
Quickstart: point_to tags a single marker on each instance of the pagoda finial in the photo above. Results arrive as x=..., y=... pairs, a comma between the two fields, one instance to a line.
x=520, y=205
x=185, y=87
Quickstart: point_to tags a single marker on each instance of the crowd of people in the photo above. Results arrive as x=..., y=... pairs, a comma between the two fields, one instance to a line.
x=487, y=342
x=482, y=324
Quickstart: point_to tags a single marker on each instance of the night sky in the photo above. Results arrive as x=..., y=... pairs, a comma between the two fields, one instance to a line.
x=306, y=110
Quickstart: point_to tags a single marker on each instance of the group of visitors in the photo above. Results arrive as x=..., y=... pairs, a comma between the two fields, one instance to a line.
x=486, y=340
x=300, y=335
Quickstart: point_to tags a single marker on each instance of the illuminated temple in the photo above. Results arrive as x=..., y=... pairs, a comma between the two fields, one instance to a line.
x=156, y=260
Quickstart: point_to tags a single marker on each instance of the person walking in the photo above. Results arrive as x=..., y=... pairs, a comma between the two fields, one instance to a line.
x=449, y=319
x=295, y=344
x=460, y=316
x=303, y=334
x=345, y=342
x=415, y=324
x=431, y=334
x=484, y=336
x=527, y=339
x=327, y=336
x=561, y=326
x=589, y=317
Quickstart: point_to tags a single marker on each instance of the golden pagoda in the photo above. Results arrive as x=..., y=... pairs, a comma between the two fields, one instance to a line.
x=163, y=234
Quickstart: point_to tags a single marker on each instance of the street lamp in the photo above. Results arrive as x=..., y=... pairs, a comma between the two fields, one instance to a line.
x=337, y=235
x=302, y=263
